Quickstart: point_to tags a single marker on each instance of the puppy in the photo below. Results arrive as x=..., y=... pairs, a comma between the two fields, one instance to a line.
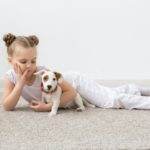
x=51, y=92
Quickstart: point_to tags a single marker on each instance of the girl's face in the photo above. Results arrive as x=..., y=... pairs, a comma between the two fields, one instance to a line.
x=25, y=58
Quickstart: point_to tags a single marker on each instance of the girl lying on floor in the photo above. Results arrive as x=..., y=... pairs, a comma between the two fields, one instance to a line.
x=21, y=81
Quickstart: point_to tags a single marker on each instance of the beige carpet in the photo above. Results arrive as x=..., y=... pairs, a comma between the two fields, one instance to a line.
x=97, y=128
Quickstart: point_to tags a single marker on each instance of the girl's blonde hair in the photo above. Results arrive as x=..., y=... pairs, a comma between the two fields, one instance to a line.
x=25, y=41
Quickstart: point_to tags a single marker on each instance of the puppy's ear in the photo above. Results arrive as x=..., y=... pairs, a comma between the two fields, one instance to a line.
x=41, y=72
x=58, y=77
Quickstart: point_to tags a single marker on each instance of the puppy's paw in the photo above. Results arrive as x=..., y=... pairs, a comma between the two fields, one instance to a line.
x=80, y=109
x=52, y=114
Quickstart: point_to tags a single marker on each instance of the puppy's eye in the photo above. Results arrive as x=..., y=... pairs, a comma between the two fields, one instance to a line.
x=45, y=78
x=54, y=79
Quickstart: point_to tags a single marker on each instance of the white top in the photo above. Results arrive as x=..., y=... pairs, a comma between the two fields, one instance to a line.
x=33, y=92
x=29, y=92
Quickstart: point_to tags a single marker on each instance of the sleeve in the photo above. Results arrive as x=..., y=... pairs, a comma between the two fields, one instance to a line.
x=10, y=76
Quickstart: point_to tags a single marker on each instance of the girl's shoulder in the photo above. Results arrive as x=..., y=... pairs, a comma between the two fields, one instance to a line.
x=10, y=75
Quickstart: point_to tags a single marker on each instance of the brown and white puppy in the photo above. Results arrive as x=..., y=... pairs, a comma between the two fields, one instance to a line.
x=51, y=91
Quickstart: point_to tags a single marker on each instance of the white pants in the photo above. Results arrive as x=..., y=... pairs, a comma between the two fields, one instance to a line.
x=127, y=96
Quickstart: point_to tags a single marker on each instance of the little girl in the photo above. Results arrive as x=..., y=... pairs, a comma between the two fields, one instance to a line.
x=21, y=81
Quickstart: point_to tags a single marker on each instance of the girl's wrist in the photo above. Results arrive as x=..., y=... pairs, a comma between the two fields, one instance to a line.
x=20, y=84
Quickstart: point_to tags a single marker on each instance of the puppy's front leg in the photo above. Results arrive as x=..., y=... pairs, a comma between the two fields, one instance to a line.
x=55, y=106
x=44, y=97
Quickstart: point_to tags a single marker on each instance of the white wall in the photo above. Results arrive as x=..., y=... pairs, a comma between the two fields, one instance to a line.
x=106, y=39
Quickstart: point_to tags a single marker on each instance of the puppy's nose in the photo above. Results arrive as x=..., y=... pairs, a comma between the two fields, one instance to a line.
x=49, y=87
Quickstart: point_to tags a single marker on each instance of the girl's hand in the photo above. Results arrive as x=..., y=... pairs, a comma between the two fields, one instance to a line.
x=21, y=76
x=40, y=106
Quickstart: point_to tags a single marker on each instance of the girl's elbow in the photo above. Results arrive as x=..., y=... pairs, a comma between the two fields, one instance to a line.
x=7, y=108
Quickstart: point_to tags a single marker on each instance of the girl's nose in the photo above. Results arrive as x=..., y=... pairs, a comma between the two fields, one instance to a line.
x=28, y=65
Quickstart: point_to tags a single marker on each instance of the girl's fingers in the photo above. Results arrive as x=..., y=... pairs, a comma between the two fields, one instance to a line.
x=34, y=107
x=34, y=103
x=15, y=68
x=26, y=73
x=19, y=69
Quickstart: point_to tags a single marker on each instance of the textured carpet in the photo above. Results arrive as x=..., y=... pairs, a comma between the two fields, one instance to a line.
x=97, y=128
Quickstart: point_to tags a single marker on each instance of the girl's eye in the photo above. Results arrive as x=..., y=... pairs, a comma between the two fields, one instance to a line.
x=23, y=62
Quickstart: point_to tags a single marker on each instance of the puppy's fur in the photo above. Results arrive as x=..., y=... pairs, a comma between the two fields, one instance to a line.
x=51, y=91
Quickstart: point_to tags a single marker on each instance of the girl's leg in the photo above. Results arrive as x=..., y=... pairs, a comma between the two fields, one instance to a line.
x=133, y=89
x=145, y=91
x=128, y=89
x=129, y=101
x=106, y=97
x=94, y=93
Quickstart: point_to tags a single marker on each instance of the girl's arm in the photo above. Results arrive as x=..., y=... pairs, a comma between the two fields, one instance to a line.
x=11, y=94
x=69, y=93
x=40, y=106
